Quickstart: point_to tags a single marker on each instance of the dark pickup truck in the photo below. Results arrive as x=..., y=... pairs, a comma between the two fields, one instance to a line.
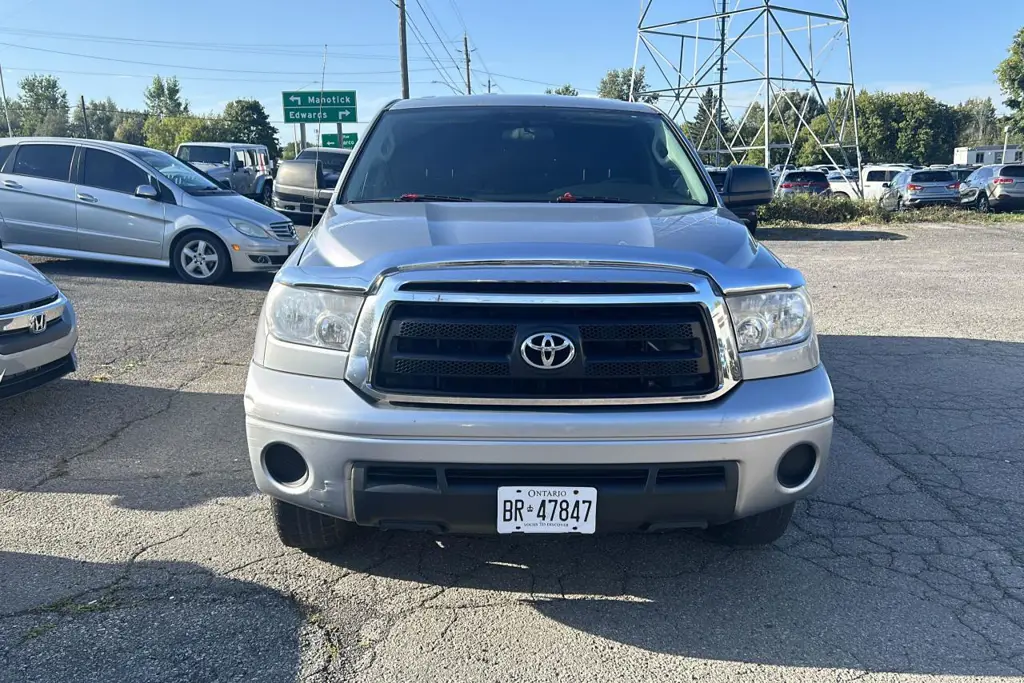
x=302, y=191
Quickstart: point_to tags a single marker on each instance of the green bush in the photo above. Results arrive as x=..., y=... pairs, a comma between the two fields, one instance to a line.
x=808, y=209
x=814, y=210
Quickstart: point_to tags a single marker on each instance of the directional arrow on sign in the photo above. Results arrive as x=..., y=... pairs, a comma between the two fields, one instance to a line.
x=344, y=113
x=295, y=99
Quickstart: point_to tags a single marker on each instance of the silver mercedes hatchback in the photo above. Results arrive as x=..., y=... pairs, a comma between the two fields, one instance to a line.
x=109, y=201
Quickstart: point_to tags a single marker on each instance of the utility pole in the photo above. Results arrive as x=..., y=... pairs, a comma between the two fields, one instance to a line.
x=488, y=86
x=7, y=113
x=85, y=116
x=465, y=48
x=403, y=54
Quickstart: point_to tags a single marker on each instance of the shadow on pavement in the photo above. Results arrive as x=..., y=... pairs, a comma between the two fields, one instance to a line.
x=150, y=448
x=820, y=234
x=66, y=620
x=117, y=271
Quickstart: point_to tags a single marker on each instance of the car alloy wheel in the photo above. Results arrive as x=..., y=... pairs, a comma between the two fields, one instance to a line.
x=983, y=204
x=199, y=259
x=268, y=195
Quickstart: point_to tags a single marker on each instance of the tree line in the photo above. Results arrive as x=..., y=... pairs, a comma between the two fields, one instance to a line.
x=42, y=109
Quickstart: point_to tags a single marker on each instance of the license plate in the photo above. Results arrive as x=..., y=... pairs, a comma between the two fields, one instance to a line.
x=546, y=510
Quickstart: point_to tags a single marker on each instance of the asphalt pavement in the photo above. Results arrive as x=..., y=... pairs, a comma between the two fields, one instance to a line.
x=133, y=546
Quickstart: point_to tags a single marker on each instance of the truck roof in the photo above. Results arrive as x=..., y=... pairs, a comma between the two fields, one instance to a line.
x=521, y=101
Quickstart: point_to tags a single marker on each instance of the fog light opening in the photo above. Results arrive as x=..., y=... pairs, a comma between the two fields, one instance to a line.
x=797, y=466
x=285, y=465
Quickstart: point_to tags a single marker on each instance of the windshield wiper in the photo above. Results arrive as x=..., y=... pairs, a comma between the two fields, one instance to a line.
x=570, y=198
x=431, y=198
x=414, y=198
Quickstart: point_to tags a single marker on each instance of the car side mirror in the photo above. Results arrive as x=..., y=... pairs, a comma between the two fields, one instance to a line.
x=147, y=192
x=747, y=186
x=885, y=185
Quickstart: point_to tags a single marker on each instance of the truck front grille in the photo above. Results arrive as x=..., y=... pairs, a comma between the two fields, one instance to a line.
x=474, y=350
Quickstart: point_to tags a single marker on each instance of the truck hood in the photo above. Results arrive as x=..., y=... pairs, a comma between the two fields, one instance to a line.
x=355, y=243
x=21, y=283
x=235, y=206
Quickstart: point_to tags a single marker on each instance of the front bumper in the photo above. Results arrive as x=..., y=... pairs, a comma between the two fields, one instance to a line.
x=32, y=367
x=260, y=255
x=341, y=436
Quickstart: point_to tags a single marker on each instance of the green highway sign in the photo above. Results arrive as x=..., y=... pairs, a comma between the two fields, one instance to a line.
x=315, y=106
x=348, y=140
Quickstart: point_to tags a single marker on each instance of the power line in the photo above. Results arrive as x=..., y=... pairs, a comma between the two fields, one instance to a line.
x=202, y=68
x=530, y=80
x=194, y=45
x=438, y=35
x=434, y=59
x=479, y=55
x=188, y=78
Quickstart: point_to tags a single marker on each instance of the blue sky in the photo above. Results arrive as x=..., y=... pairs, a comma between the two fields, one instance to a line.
x=913, y=44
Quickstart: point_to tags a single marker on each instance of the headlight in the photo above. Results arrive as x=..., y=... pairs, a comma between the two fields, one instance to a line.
x=314, y=317
x=764, y=321
x=247, y=228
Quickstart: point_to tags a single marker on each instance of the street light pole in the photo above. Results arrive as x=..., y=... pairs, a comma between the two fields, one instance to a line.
x=1006, y=140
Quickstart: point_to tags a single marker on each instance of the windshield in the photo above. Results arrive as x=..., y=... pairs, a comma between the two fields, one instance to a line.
x=524, y=154
x=177, y=172
x=332, y=162
x=200, y=154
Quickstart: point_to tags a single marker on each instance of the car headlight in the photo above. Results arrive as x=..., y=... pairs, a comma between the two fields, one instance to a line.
x=764, y=321
x=314, y=317
x=247, y=228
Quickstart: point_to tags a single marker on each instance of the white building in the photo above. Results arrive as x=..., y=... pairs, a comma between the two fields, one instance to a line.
x=987, y=154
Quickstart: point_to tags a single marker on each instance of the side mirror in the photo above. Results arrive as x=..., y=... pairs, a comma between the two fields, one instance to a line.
x=885, y=185
x=747, y=186
x=147, y=192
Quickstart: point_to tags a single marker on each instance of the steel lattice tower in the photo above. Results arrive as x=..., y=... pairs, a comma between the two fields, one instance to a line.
x=793, y=57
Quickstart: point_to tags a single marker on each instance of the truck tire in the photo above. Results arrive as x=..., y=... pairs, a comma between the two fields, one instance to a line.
x=762, y=529
x=301, y=528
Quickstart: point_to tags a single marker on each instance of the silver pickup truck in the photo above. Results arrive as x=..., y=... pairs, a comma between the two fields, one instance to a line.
x=535, y=314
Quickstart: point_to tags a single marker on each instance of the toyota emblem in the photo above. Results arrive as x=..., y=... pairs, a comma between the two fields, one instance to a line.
x=548, y=351
x=37, y=323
